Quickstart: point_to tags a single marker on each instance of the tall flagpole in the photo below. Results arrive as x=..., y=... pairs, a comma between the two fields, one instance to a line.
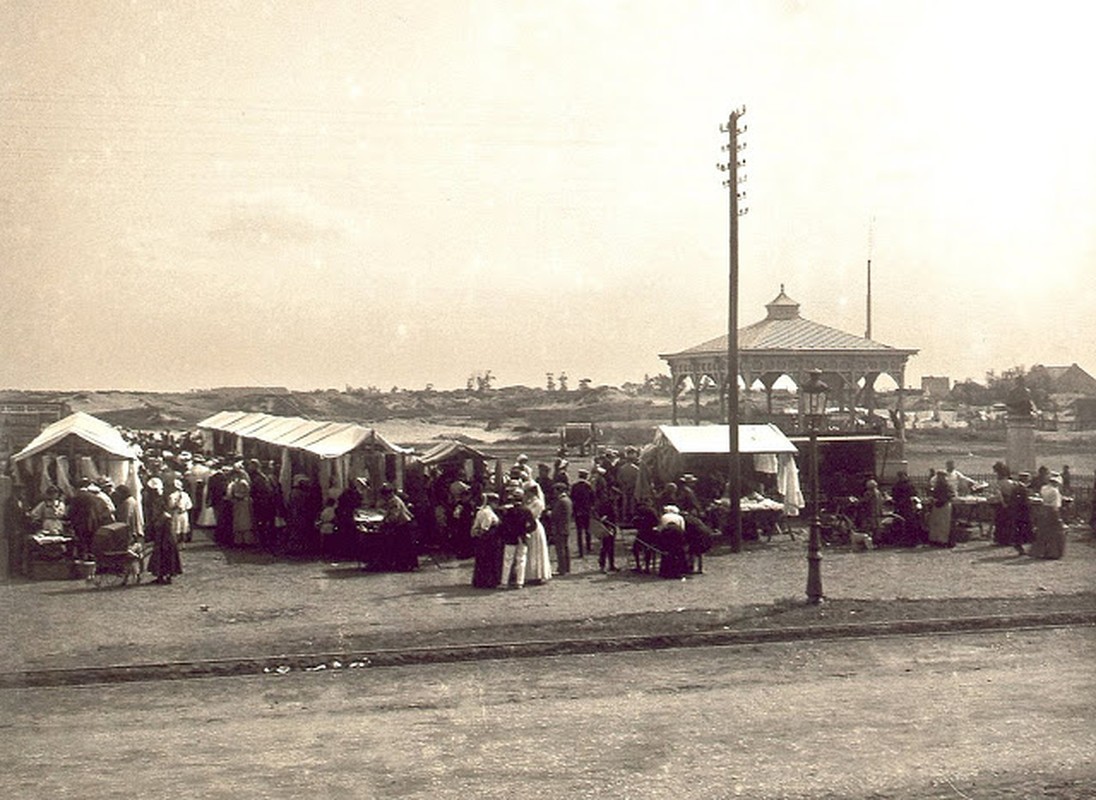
x=871, y=241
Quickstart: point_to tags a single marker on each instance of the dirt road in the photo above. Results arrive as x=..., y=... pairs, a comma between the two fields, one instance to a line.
x=1003, y=715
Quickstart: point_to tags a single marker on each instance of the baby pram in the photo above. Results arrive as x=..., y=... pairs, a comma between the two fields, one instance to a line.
x=117, y=559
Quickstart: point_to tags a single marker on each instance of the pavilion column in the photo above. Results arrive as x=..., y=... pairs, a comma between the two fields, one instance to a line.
x=724, y=392
x=696, y=399
x=674, y=382
x=801, y=402
x=850, y=393
x=901, y=413
x=869, y=391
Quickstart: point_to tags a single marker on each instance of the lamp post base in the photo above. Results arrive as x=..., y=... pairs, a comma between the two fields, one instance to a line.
x=814, y=583
x=814, y=566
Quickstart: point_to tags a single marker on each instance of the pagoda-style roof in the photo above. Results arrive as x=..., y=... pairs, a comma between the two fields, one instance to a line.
x=784, y=343
x=784, y=329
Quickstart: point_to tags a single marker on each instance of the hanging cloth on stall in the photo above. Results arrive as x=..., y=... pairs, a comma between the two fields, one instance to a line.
x=44, y=479
x=285, y=475
x=766, y=463
x=325, y=479
x=358, y=467
x=87, y=469
x=64, y=483
x=787, y=482
x=117, y=471
x=133, y=481
x=342, y=466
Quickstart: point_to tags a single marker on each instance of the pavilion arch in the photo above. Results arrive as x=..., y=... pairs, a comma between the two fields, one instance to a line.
x=787, y=344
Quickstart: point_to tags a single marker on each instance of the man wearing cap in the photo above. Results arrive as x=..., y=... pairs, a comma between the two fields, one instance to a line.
x=582, y=504
x=959, y=483
x=403, y=550
x=627, y=475
x=102, y=488
x=50, y=513
x=516, y=524
x=687, y=500
x=560, y=521
x=87, y=513
x=522, y=465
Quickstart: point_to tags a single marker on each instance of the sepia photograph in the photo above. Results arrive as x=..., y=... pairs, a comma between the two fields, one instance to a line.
x=556, y=398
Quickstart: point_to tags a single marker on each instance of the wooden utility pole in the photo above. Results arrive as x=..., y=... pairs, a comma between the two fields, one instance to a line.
x=734, y=476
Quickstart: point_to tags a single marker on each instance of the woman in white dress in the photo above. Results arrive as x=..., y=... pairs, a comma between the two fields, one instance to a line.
x=179, y=504
x=538, y=568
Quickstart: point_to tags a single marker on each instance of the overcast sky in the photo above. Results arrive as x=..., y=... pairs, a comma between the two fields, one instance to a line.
x=402, y=193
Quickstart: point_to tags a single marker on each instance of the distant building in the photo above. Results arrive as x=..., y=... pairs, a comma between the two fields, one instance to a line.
x=21, y=422
x=1082, y=414
x=1065, y=380
x=935, y=386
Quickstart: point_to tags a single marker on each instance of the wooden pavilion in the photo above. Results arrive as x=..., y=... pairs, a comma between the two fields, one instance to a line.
x=785, y=343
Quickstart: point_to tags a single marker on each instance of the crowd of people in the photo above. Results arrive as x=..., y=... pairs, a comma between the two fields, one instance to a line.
x=1027, y=510
x=160, y=525
x=517, y=531
x=521, y=528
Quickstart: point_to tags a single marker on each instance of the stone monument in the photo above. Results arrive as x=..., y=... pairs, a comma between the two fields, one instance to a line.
x=1020, y=428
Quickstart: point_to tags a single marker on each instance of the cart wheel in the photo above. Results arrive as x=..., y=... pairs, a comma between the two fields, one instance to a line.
x=109, y=578
x=837, y=529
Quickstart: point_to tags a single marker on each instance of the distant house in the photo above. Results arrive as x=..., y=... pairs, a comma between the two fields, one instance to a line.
x=21, y=421
x=1082, y=413
x=1066, y=380
x=935, y=386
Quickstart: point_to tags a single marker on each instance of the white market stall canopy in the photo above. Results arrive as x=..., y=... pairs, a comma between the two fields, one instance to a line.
x=92, y=430
x=323, y=439
x=714, y=439
x=451, y=451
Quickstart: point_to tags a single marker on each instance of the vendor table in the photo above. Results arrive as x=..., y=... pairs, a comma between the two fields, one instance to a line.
x=763, y=515
x=382, y=547
x=974, y=510
x=48, y=556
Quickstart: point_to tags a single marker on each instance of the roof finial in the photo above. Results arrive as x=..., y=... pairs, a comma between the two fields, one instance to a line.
x=782, y=288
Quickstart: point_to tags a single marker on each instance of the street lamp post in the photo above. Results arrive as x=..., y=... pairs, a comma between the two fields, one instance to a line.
x=815, y=390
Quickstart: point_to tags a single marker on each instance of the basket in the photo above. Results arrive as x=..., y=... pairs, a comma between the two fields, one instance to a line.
x=83, y=569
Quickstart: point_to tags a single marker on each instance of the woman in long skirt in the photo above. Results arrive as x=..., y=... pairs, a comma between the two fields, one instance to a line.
x=1050, y=534
x=487, y=545
x=239, y=493
x=164, y=562
x=940, y=513
x=538, y=568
